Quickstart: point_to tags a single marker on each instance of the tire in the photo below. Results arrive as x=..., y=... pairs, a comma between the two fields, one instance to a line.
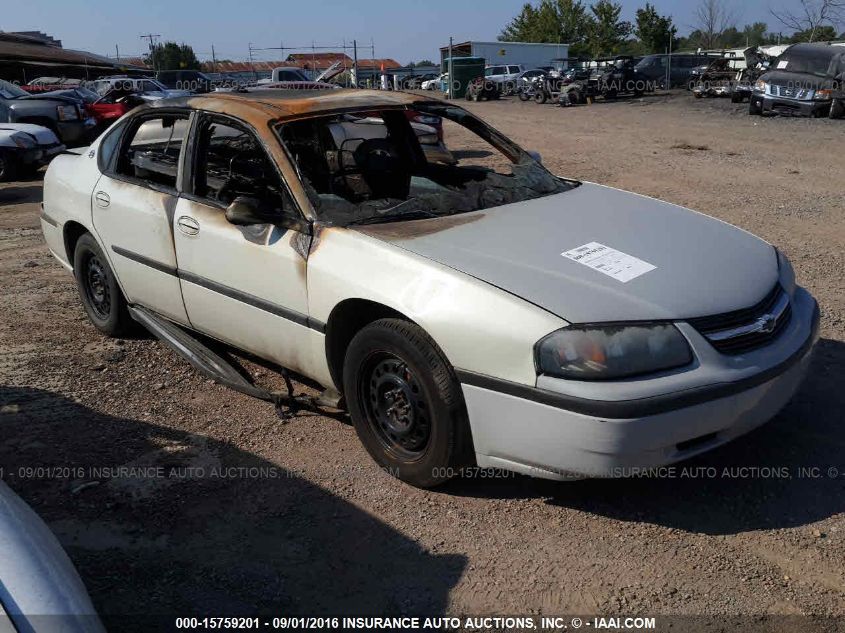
x=541, y=97
x=393, y=363
x=754, y=108
x=101, y=296
x=8, y=167
x=837, y=109
x=524, y=96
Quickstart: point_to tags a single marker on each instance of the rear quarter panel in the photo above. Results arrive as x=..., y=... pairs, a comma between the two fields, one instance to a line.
x=68, y=184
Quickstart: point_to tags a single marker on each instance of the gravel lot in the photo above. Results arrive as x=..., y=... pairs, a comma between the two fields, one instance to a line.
x=295, y=518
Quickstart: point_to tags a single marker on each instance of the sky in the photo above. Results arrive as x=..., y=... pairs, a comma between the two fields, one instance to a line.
x=406, y=31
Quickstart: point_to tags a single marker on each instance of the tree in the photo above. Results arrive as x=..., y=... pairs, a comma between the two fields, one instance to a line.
x=820, y=34
x=423, y=62
x=755, y=34
x=520, y=28
x=551, y=21
x=654, y=30
x=172, y=56
x=607, y=32
x=812, y=15
x=712, y=18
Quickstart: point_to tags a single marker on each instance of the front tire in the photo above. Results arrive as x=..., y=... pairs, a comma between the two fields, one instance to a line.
x=837, y=109
x=406, y=403
x=8, y=167
x=101, y=296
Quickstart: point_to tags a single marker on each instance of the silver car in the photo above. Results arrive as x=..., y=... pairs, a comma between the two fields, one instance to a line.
x=466, y=307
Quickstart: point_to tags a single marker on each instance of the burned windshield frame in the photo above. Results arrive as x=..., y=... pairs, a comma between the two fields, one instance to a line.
x=461, y=192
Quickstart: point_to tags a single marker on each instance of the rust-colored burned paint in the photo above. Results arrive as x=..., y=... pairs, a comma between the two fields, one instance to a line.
x=411, y=229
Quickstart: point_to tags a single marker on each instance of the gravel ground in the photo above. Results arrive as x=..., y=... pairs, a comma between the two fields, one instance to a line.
x=295, y=518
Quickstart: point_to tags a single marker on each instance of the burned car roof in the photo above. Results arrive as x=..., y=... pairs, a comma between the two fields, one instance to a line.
x=285, y=104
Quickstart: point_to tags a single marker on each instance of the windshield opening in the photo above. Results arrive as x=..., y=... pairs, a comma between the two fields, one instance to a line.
x=429, y=160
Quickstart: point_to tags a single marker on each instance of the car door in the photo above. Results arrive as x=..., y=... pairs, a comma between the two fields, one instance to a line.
x=132, y=209
x=244, y=285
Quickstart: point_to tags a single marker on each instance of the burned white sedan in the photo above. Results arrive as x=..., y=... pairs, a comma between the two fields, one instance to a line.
x=466, y=307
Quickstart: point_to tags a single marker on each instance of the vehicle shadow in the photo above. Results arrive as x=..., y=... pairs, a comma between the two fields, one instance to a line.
x=21, y=192
x=788, y=473
x=194, y=526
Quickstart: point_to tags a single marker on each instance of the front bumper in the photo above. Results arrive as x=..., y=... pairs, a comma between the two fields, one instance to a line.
x=543, y=436
x=790, y=107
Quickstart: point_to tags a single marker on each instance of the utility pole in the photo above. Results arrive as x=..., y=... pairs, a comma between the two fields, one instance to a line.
x=213, y=59
x=117, y=53
x=151, y=37
x=355, y=63
x=451, y=76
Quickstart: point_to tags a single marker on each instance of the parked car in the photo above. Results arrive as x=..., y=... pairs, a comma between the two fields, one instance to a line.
x=756, y=63
x=24, y=148
x=48, y=84
x=717, y=79
x=506, y=75
x=483, y=312
x=40, y=591
x=190, y=80
x=147, y=87
x=653, y=68
x=415, y=82
x=435, y=84
x=63, y=114
x=805, y=80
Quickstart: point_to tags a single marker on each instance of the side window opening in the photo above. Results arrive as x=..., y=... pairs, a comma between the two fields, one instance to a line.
x=154, y=149
x=108, y=146
x=232, y=163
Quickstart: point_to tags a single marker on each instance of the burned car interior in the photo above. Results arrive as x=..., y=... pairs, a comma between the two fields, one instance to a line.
x=370, y=166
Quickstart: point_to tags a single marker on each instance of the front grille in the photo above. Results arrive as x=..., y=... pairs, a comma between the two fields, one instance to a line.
x=748, y=329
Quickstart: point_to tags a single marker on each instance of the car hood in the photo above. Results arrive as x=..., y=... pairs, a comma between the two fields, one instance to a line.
x=41, y=134
x=702, y=266
x=804, y=80
x=65, y=96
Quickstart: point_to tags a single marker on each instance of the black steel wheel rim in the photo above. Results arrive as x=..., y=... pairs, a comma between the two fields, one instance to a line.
x=395, y=406
x=97, y=287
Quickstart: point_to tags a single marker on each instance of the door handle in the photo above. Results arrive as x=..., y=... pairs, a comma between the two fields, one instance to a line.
x=188, y=225
x=102, y=199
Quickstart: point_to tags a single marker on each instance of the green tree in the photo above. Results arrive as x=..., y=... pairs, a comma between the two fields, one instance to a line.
x=551, y=21
x=756, y=34
x=172, y=56
x=654, y=30
x=607, y=32
x=817, y=34
x=520, y=28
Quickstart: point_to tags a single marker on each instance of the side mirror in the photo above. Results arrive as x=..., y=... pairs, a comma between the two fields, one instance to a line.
x=244, y=211
x=536, y=156
x=247, y=211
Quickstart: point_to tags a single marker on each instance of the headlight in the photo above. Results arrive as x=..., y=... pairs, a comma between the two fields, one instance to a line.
x=67, y=112
x=824, y=95
x=760, y=86
x=613, y=351
x=786, y=273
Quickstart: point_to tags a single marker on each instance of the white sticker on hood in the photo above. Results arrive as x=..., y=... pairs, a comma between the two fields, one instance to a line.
x=616, y=264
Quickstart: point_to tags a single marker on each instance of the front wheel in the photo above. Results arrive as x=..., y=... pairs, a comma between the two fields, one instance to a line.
x=754, y=107
x=8, y=167
x=101, y=295
x=837, y=109
x=406, y=403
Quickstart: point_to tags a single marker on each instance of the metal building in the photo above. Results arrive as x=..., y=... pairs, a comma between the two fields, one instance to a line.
x=528, y=54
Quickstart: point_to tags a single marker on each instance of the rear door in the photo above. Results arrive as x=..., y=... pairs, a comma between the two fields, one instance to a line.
x=245, y=285
x=133, y=206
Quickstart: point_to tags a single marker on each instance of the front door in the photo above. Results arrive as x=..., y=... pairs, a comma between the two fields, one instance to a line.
x=244, y=285
x=133, y=205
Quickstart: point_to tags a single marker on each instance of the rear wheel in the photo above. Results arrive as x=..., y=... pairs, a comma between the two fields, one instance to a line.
x=406, y=403
x=101, y=295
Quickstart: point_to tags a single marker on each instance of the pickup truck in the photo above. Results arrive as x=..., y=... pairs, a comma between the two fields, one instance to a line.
x=61, y=113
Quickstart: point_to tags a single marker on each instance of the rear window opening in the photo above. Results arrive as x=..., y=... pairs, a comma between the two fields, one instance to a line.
x=371, y=166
